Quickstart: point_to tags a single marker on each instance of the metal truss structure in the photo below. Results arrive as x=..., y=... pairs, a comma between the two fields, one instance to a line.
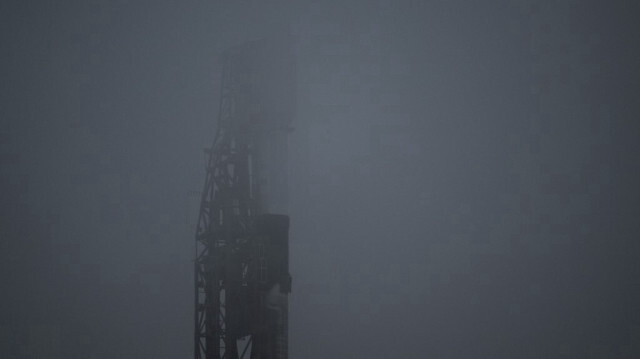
x=242, y=277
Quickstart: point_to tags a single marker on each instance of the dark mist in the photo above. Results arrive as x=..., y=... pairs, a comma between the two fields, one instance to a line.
x=463, y=175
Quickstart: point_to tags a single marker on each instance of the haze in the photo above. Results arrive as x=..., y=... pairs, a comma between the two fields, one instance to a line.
x=463, y=175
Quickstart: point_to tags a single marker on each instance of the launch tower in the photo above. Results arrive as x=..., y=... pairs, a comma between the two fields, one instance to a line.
x=242, y=278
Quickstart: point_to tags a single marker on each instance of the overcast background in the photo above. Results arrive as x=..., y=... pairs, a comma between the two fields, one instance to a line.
x=463, y=176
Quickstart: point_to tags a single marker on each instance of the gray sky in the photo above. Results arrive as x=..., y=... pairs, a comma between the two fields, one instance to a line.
x=462, y=175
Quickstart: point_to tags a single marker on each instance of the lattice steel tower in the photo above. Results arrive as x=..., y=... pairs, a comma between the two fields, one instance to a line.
x=242, y=275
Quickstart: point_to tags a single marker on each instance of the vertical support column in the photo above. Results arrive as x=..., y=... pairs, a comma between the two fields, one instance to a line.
x=241, y=270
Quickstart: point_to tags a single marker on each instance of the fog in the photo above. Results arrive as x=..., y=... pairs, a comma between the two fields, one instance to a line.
x=462, y=175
